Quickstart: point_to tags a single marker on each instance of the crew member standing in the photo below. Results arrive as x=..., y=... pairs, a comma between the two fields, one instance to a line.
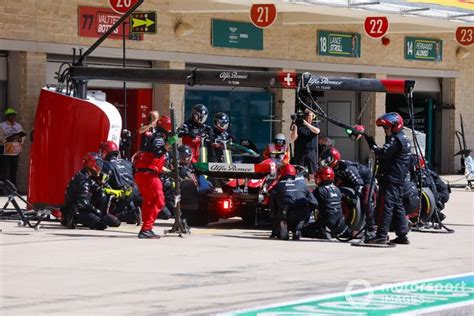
x=220, y=136
x=148, y=165
x=304, y=134
x=195, y=130
x=394, y=159
x=12, y=137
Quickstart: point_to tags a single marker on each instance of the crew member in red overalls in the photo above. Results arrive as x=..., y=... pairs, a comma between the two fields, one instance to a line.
x=148, y=165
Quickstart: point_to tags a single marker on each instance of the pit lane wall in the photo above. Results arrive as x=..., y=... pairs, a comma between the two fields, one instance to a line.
x=31, y=30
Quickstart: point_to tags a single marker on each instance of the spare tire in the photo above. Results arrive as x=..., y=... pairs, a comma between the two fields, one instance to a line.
x=411, y=199
x=352, y=212
x=428, y=204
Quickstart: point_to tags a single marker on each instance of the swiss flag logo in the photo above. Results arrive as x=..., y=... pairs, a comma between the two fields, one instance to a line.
x=287, y=79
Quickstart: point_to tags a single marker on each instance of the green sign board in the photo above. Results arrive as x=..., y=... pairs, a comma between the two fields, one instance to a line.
x=426, y=49
x=394, y=299
x=240, y=35
x=339, y=44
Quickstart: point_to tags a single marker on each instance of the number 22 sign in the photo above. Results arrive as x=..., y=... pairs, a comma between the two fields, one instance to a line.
x=376, y=26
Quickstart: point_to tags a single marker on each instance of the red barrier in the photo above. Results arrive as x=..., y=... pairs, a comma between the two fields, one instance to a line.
x=65, y=129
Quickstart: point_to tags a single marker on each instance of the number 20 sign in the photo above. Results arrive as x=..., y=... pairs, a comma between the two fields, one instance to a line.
x=376, y=27
x=263, y=15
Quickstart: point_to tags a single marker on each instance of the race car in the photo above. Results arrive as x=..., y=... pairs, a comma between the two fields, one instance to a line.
x=225, y=200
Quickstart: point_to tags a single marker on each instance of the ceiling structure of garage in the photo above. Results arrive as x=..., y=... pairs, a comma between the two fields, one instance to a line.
x=405, y=16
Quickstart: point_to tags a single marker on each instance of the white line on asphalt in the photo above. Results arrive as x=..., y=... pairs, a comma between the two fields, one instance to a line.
x=375, y=288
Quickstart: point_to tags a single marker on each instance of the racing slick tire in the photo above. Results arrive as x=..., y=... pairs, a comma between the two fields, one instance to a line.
x=353, y=214
x=191, y=206
x=428, y=204
x=411, y=200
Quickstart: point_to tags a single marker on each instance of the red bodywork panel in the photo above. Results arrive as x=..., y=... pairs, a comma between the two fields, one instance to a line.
x=394, y=85
x=65, y=129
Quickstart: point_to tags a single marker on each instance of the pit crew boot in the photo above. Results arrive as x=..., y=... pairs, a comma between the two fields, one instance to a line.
x=401, y=240
x=148, y=234
x=378, y=240
x=370, y=233
x=284, y=235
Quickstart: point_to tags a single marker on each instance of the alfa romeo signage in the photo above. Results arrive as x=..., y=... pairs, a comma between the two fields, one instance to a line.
x=223, y=167
x=338, y=44
x=426, y=49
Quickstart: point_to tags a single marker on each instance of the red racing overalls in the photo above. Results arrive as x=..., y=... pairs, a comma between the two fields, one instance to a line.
x=147, y=176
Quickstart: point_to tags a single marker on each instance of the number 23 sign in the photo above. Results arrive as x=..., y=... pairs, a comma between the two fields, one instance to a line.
x=376, y=27
x=465, y=35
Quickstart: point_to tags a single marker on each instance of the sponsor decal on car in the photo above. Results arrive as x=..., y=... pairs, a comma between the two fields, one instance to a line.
x=223, y=167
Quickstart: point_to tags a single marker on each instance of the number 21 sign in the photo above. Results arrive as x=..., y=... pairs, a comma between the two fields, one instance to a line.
x=376, y=27
x=263, y=15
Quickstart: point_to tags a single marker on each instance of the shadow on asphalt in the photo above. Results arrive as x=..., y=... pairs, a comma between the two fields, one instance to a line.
x=274, y=239
x=235, y=223
x=461, y=225
x=129, y=235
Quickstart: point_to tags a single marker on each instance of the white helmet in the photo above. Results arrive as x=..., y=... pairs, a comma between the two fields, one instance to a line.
x=280, y=139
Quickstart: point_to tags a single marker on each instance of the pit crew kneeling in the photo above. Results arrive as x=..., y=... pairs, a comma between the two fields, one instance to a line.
x=127, y=198
x=329, y=199
x=292, y=204
x=85, y=200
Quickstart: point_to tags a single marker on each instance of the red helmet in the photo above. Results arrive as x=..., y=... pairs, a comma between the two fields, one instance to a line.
x=92, y=162
x=330, y=157
x=165, y=123
x=107, y=148
x=392, y=121
x=287, y=170
x=324, y=174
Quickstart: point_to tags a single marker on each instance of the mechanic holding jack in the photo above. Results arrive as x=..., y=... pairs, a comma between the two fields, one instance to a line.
x=394, y=159
x=194, y=130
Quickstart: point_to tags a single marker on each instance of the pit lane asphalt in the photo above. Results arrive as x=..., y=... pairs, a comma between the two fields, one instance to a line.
x=219, y=268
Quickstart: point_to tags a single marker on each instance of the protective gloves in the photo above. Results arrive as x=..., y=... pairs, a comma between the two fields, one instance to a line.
x=116, y=193
x=172, y=140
